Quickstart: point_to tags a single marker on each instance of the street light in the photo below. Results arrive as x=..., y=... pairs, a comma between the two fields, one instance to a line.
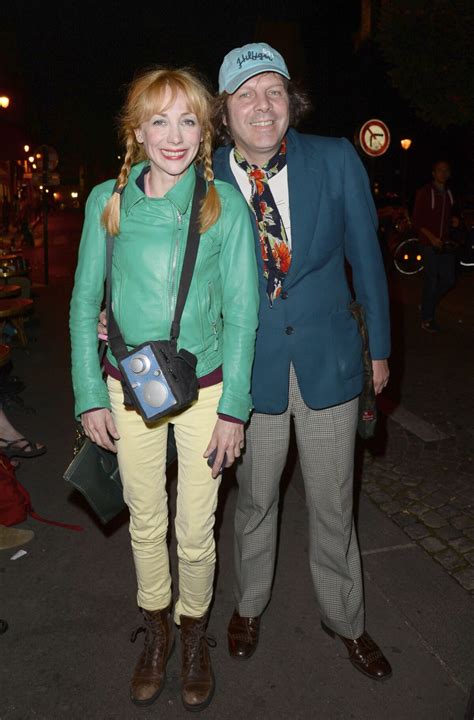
x=406, y=145
x=4, y=101
x=26, y=148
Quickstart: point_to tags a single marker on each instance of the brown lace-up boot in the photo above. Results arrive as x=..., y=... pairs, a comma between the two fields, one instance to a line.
x=196, y=672
x=149, y=675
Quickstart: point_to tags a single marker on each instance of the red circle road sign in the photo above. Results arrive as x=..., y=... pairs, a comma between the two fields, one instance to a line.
x=374, y=137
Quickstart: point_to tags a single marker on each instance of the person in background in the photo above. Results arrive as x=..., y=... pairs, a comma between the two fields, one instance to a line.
x=433, y=219
x=13, y=444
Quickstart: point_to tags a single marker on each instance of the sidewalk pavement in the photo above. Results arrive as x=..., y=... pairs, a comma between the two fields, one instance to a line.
x=70, y=601
x=420, y=469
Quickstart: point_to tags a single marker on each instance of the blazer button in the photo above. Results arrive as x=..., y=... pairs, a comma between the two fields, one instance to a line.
x=289, y=330
x=284, y=295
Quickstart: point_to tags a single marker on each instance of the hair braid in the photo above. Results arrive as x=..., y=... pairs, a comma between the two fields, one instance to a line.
x=111, y=214
x=211, y=206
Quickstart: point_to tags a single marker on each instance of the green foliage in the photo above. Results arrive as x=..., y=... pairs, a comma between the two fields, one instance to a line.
x=429, y=47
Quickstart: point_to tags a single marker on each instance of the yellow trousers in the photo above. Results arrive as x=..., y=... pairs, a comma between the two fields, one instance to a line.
x=142, y=463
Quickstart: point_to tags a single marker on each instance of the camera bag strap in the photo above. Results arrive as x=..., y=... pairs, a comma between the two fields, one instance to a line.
x=116, y=340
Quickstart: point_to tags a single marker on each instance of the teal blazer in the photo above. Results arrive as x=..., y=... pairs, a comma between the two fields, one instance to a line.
x=333, y=225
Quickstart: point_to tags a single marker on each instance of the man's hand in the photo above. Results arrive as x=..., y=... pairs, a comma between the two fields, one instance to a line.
x=434, y=239
x=381, y=375
x=102, y=326
x=228, y=438
x=100, y=428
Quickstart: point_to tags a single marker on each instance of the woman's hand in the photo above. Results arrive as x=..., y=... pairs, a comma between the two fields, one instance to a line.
x=100, y=428
x=102, y=326
x=228, y=438
x=381, y=375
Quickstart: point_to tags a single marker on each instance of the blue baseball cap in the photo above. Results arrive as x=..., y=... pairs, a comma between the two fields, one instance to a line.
x=242, y=63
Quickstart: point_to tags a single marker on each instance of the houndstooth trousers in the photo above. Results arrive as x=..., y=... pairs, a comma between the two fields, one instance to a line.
x=326, y=440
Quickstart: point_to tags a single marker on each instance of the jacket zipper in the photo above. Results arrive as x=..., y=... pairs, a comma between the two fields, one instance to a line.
x=213, y=322
x=173, y=267
x=441, y=227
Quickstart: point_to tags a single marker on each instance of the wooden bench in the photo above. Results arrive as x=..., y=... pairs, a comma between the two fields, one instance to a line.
x=5, y=353
x=14, y=311
x=9, y=291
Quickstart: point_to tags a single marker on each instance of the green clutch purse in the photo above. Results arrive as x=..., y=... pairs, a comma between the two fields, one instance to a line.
x=94, y=472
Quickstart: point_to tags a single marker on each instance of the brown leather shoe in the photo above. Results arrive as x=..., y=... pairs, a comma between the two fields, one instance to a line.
x=365, y=655
x=149, y=675
x=242, y=636
x=197, y=677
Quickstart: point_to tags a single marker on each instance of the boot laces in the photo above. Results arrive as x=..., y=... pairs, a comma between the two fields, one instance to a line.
x=194, y=643
x=154, y=631
x=136, y=632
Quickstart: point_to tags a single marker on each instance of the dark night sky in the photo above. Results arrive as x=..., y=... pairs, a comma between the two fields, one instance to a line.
x=77, y=57
x=74, y=59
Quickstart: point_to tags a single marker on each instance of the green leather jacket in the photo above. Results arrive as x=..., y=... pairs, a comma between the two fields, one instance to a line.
x=220, y=317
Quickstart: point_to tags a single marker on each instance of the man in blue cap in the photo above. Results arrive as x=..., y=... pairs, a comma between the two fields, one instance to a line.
x=313, y=210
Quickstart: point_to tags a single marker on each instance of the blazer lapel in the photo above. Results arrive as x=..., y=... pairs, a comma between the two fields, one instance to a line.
x=221, y=166
x=304, y=189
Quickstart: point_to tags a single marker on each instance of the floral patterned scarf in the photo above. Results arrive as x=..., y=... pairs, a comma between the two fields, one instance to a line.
x=276, y=253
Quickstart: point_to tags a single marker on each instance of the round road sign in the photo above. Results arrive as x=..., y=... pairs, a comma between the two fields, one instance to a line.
x=374, y=137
